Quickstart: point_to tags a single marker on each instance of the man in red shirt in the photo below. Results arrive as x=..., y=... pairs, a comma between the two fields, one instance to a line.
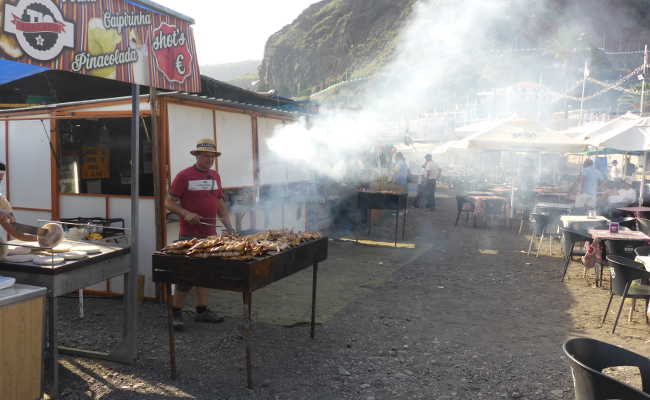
x=196, y=196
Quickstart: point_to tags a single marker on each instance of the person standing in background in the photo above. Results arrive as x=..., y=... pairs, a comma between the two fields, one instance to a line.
x=588, y=186
x=614, y=171
x=400, y=171
x=430, y=175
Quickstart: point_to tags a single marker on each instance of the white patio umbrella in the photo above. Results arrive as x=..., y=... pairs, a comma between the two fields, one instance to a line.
x=524, y=135
x=626, y=133
x=584, y=130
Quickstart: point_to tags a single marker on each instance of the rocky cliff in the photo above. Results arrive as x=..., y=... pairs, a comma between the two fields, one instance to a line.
x=332, y=39
x=335, y=40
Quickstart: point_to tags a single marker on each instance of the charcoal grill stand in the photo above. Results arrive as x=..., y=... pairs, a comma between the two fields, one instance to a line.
x=385, y=201
x=237, y=276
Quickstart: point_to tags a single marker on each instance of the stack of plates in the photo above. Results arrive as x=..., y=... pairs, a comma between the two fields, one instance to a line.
x=6, y=282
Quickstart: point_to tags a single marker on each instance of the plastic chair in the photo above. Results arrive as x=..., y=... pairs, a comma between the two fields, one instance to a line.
x=623, y=248
x=642, y=251
x=572, y=237
x=624, y=274
x=643, y=225
x=540, y=224
x=589, y=357
x=464, y=205
x=627, y=222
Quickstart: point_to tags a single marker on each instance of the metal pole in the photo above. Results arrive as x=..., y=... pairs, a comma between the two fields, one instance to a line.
x=645, y=63
x=582, y=97
x=155, y=160
x=131, y=278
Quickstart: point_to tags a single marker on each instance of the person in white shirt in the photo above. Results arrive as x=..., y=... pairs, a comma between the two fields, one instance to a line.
x=624, y=195
x=430, y=174
x=614, y=171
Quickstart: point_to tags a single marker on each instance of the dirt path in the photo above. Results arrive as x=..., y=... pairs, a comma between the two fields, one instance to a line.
x=463, y=315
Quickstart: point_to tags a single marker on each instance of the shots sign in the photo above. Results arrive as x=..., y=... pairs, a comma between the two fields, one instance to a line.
x=113, y=39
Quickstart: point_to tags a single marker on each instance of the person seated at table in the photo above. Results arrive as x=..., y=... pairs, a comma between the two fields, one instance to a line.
x=618, y=194
x=588, y=184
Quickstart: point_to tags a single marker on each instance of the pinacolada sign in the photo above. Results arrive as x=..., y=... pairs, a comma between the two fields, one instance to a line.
x=112, y=39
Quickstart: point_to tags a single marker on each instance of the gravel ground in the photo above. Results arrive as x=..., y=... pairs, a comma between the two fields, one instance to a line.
x=463, y=315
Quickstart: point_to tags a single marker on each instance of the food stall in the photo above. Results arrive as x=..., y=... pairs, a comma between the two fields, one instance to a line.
x=47, y=139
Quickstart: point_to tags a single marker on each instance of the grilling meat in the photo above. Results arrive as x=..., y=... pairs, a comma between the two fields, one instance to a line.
x=235, y=247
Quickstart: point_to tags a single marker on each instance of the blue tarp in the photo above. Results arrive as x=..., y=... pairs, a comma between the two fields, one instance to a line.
x=12, y=70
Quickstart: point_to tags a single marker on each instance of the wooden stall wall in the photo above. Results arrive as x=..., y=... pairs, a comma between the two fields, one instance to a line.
x=235, y=142
x=186, y=126
x=26, y=152
x=273, y=170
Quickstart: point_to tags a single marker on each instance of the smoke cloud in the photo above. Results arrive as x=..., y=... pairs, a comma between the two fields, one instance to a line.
x=449, y=52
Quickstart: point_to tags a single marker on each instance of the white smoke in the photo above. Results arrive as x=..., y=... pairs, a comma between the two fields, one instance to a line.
x=440, y=37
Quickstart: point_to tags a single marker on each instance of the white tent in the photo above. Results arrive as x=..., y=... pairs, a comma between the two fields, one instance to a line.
x=585, y=130
x=626, y=133
x=524, y=135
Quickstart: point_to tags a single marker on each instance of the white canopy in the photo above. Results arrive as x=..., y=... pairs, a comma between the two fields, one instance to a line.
x=582, y=131
x=524, y=135
x=626, y=133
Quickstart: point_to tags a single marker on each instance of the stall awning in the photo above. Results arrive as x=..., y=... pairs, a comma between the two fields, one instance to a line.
x=11, y=70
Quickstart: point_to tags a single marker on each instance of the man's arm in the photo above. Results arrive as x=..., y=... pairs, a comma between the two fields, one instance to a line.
x=173, y=204
x=224, y=214
x=26, y=237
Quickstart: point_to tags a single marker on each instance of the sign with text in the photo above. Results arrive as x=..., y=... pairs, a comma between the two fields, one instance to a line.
x=95, y=163
x=113, y=39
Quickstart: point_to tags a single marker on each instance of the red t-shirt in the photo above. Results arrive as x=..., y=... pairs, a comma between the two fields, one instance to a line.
x=199, y=192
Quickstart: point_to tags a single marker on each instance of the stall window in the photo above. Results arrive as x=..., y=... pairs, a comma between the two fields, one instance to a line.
x=95, y=156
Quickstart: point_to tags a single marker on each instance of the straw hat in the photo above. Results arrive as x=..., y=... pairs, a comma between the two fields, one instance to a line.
x=205, y=145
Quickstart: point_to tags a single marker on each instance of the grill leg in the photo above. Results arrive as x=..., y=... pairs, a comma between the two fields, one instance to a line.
x=369, y=220
x=404, y=223
x=539, y=245
x=530, y=244
x=396, y=225
x=248, y=299
x=313, y=299
x=170, y=328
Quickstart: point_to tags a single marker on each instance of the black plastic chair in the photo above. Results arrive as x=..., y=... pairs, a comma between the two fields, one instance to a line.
x=625, y=273
x=643, y=225
x=622, y=248
x=572, y=237
x=540, y=225
x=464, y=205
x=642, y=251
x=589, y=357
x=627, y=222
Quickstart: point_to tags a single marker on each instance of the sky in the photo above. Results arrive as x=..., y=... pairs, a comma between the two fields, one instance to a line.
x=231, y=31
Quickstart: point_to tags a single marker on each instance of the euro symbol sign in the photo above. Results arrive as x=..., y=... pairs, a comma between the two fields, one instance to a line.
x=180, y=67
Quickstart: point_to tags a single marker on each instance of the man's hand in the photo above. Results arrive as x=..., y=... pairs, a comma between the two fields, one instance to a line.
x=192, y=218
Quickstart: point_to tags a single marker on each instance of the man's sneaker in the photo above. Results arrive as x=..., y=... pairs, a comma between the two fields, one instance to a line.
x=208, y=316
x=177, y=320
